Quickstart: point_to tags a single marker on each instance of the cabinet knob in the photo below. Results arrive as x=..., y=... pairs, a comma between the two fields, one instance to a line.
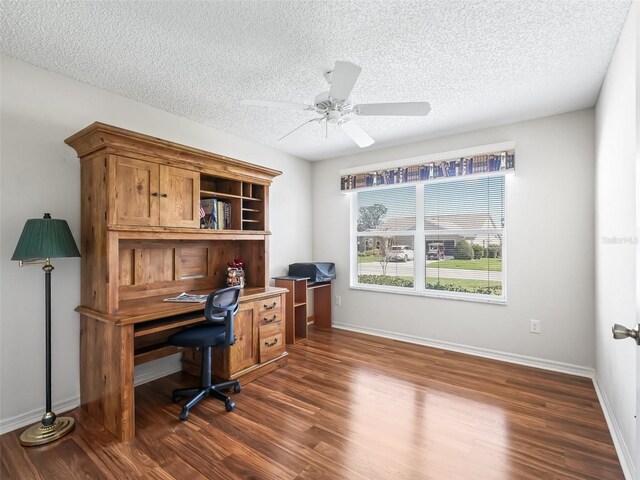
x=165, y=195
x=154, y=194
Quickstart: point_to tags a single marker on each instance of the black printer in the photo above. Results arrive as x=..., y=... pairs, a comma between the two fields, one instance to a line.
x=316, y=272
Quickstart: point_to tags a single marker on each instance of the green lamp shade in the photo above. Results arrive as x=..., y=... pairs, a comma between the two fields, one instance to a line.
x=45, y=238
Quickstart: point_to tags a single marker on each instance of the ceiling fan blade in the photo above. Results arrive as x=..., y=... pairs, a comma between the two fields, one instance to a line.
x=403, y=109
x=357, y=134
x=299, y=127
x=283, y=105
x=343, y=79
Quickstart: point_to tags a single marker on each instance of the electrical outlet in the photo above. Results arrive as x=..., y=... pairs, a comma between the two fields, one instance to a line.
x=535, y=326
x=338, y=300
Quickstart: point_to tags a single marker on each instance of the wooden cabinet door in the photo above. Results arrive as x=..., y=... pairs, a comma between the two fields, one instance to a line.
x=136, y=192
x=179, y=197
x=149, y=194
x=244, y=353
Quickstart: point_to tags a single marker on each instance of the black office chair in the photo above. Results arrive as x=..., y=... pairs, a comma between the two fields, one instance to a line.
x=219, y=310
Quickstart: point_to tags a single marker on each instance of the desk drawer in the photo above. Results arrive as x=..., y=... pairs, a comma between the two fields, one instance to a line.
x=271, y=341
x=270, y=317
x=268, y=306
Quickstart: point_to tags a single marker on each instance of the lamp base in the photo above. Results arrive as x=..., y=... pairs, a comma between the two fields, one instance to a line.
x=39, y=434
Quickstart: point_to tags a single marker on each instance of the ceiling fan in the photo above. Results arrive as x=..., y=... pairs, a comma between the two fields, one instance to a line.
x=335, y=107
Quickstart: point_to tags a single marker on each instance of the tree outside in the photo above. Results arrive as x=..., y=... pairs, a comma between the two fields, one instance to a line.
x=370, y=218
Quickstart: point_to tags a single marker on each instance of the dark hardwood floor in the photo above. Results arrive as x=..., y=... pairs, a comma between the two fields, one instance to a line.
x=350, y=406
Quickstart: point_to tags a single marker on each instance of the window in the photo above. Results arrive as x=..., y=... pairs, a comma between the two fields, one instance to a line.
x=386, y=227
x=444, y=238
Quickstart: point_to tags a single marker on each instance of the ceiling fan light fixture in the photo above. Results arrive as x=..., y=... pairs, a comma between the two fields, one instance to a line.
x=322, y=101
x=334, y=116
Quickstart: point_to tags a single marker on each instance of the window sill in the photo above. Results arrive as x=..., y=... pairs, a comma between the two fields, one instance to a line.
x=431, y=294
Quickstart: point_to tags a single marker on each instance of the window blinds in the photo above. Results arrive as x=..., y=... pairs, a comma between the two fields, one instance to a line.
x=464, y=235
x=389, y=210
x=468, y=205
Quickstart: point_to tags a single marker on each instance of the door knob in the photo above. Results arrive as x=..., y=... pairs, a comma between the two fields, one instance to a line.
x=620, y=331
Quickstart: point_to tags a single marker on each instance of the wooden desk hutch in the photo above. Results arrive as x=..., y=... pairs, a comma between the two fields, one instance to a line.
x=141, y=242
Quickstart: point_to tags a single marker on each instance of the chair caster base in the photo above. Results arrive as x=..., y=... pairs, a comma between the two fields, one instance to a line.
x=202, y=392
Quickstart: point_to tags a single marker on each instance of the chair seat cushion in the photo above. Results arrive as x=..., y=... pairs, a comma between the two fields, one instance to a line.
x=202, y=336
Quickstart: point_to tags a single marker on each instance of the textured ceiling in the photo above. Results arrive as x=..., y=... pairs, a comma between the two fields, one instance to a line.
x=479, y=63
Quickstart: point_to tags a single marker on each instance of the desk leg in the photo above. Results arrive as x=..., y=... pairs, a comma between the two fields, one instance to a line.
x=106, y=375
x=322, y=306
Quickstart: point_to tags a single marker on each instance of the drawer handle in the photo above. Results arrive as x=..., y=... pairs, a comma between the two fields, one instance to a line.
x=267, y=307
x=267, y=344
x=270, y=320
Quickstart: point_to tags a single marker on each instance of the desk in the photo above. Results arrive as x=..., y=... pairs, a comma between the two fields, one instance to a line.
x=111, y=344
x=296, y=306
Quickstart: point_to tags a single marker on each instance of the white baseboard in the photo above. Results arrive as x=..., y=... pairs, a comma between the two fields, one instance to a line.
x=626, y=460
x=143, y=373
x=35, y=416
x=478, y=352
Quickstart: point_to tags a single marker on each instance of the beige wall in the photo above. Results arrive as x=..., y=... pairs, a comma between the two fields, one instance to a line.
x=549, y=215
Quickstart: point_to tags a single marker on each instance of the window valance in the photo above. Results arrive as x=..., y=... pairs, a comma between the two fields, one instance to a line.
x=464, y=166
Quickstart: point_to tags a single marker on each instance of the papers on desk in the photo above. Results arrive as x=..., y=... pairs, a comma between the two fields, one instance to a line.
x=184, y=297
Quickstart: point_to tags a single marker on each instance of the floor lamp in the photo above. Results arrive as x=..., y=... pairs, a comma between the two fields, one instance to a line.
x=43, y=239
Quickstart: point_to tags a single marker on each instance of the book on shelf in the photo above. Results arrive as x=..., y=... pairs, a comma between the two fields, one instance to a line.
x=413, y=173
x=220, y=225
x=510, y=160
x=227, y=215
x=217, y=214
x=185, y=297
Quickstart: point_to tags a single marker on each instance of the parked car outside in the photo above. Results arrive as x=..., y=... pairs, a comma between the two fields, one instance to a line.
x=435, y=251
x=400, y=253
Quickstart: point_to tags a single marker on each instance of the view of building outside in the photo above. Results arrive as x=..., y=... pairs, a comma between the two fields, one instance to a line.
x=463, y=231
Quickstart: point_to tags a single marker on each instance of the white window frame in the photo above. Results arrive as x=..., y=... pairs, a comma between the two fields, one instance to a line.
x=419, y=240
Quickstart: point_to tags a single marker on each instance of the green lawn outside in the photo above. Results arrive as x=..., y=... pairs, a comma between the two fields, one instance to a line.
x=464, y=283
x=388, y=280
x=367, y=258
x=491, y=264
x=446, y=284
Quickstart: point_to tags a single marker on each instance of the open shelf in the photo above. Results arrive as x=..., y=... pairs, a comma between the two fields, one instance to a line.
x=232, y=204
x=295, y=307
x=166, y=267
x=209, y=194
x=300, y=324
